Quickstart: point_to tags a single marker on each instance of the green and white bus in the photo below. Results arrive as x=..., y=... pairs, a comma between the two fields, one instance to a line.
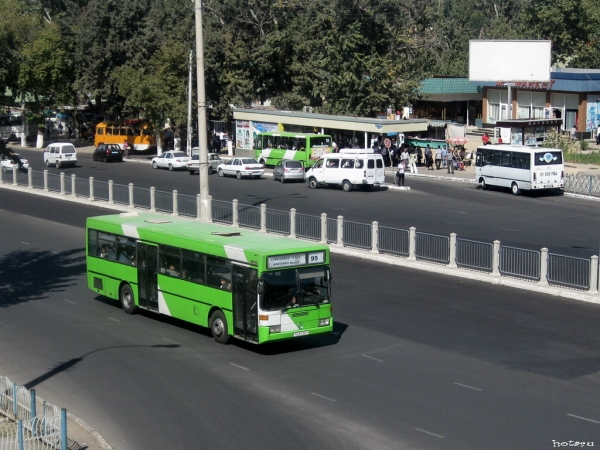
x=240, y=283
x=272, y=147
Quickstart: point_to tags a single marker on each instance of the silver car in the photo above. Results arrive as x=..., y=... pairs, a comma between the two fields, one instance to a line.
x=213, y=162
x=288, y=169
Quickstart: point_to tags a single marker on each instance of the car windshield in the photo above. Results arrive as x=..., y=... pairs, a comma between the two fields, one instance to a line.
x=179, y=155
x=249, y=161
x=309, y=286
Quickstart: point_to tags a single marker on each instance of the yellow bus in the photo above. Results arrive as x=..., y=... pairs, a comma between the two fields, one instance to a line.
x=137, y=134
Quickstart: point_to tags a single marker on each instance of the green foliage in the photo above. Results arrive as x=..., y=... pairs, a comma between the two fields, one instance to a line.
x=562, y=141
x=583, y=158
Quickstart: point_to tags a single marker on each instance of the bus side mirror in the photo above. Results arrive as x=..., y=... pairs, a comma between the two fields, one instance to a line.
x=261, y=287
x=328, y=275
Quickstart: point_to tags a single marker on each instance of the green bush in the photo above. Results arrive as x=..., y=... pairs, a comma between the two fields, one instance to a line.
x=583, y=145
x=582, y=158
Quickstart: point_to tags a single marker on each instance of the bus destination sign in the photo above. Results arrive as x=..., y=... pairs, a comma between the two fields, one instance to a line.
x=296, y=259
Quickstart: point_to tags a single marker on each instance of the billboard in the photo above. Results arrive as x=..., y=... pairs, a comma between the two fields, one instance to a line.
x=503, y=60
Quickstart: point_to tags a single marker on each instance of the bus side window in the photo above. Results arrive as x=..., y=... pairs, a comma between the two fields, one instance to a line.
x=193, y=267
x=109, y=131
x=359, y=164
x=478, y=159
x=100, y=131
x=216, y=269
x=170, y=261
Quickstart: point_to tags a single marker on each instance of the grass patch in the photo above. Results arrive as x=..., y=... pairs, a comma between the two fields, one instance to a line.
x=583, y=158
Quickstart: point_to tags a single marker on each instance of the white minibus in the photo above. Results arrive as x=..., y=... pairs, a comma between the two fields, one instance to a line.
x=520, y=168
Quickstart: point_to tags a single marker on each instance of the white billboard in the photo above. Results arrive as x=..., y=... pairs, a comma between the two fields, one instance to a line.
x=501, y=60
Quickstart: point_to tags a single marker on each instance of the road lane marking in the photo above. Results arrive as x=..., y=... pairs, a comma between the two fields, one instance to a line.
x=69, y=301
x=468, y=387
x=370, y=357
x=508, y=229
x=169, y=340
x=430, y=433
x=26, y=243
x=577, y=238
x=582, y=418
x=239, y=367
x=323, y=397
x=114, y=320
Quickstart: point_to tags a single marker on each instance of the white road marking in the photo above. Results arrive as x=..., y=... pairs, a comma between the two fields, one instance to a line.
x=114, y=320
x=69, y=301
x=26, y=243
x=508, y=229
x=323, y=397
x=577, y=238
x=582, y=418
x=468, y=387
x=370, y=357
x=172, y=342
x=430, y=433
x=239, y=367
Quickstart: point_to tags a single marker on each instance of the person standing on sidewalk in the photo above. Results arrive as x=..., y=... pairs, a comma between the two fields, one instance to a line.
x=438, y=158
x=126, y=149
x=412, y=162
x=400, y=174
x=444, y=157
x=428, y=158
x=451, y=162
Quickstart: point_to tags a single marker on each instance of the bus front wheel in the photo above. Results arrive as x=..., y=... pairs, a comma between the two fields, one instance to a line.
x=514, y=188
x=312, y=183
x=218, y=327
x=483, y=184
x=127, y=299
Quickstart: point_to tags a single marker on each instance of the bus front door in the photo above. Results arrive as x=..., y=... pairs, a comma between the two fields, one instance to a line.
x=245, y=320
x=147, y=264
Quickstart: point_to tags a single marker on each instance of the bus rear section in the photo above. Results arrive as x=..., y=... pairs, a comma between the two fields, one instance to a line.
x=519, y=168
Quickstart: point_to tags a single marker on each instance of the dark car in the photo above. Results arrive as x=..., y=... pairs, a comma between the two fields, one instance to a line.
x=108, y=152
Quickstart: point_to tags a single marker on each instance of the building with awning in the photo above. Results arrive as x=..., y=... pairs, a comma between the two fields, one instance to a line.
x=250, y=121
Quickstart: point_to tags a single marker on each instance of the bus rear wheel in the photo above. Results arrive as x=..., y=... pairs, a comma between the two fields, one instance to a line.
x=218, y=327
x=514, y=188
x=127, y=299
x=346, y=186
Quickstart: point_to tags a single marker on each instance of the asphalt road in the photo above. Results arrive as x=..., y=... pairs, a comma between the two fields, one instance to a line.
x=563, y=224
x=417, y=361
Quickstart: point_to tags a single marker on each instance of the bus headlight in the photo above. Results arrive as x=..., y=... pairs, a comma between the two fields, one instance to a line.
x=324, y=322
x=274, y=329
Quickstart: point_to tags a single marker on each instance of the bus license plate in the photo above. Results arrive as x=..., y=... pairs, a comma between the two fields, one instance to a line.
x=301, y=333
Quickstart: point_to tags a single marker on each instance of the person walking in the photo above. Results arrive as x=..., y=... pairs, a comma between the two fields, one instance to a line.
x=438, y=158
x=412, y=162
x=400, y=174
x=444, y=157
x=404, y=157
x=450, y=162
x=428, y=158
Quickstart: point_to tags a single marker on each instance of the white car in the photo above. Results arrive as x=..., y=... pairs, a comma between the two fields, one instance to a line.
x=171, y=160
x=241, y=167
x=193, y=164
x=14, y=160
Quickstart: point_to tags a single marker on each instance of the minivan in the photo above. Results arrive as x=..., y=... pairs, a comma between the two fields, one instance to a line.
x=348, y=168
x=60, y=154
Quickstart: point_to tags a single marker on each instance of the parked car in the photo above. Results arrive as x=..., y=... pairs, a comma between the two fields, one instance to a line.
x=12, y=160
x=241, y=167
x=108, y=152
x=193, y=164
x=288, y=169
x=60, y=154
x=171, y=160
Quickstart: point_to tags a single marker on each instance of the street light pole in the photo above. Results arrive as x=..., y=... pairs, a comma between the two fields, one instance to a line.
x=202, y=137
x=189, y=118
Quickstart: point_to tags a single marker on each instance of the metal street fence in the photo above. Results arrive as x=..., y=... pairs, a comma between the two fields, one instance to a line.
x=534, y=265
x=26, y=430
x=583, y=184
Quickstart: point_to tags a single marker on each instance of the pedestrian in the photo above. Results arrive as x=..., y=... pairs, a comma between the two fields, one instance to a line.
x=438, y=158
x=385, y=155
x=412, y=162
x=400, y=174
x=485, y=139
x=126, y=149
x=574, y=132
x=450, y=162
x=428, y=158
x=60, y=128
x=444, y=157
x=404, y=156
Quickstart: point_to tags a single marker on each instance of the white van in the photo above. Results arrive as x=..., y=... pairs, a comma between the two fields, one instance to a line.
x=60, y=154
x=348, y=168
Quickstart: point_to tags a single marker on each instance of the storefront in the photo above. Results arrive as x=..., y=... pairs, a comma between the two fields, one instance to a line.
x=572, y=96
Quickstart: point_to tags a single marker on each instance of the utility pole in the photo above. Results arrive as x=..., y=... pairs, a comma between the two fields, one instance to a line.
x=189, y=118
x=202, y=137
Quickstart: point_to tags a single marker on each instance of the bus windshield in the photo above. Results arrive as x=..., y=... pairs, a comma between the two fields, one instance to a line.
x=320, y=141
x=309, y=286
x=548, y=158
